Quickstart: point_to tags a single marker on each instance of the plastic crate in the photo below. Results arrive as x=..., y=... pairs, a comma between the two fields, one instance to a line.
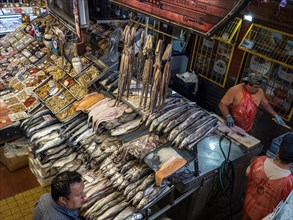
x=276, y=142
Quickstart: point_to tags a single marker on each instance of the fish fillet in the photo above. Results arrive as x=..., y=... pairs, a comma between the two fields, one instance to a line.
x=88, y=101
x=168, y=168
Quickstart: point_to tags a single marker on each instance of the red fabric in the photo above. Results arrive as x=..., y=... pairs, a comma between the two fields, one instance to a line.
x=263, y=194
x=244, y=113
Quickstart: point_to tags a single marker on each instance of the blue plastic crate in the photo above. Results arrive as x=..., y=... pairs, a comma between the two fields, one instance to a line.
x=276, y=143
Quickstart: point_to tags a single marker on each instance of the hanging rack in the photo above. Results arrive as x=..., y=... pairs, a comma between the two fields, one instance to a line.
x=155, y=30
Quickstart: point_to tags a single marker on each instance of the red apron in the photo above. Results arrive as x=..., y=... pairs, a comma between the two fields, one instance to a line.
x=244, y=113
x=262, y=194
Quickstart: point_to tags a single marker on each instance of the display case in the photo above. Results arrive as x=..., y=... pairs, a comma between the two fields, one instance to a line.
x=212, y=57
x=269, y=52
x=10, y=18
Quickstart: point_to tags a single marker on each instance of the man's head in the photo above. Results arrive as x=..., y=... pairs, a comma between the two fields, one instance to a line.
x=286, y=149
x=253, y=82
x=67, y=190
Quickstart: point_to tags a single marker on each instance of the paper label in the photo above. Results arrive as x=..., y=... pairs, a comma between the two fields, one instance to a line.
x=66, y=83
x=51, y=83
x=48, y=117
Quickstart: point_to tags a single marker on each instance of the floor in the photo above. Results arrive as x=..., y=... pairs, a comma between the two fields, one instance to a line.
x=19, y=192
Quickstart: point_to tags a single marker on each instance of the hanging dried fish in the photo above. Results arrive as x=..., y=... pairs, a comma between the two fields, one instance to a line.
x=140, y=60
x=166, y=75
x=131, y=53
x=157, y=76
x=147, y=71
x=123, y=69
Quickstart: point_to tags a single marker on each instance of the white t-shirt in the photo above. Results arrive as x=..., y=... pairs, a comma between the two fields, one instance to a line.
x=272, y=171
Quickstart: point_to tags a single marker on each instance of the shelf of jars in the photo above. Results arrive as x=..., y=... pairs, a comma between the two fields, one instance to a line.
x=212, y=57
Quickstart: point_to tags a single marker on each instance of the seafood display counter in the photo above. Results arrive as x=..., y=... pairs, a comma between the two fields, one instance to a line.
x=135, y=156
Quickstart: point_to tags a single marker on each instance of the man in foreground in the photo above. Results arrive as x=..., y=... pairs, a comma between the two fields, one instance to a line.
x=66, y=197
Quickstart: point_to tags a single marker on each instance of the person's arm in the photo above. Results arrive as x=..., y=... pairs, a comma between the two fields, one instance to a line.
x=269, y=109
x=223, y=106
x=224, y=109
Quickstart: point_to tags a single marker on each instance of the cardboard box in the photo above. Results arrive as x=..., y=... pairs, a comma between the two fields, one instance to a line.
x=14, y=163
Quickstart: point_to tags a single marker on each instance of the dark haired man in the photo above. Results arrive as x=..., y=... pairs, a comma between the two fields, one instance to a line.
x=66, y=197
x=269, y=182
x=240, y=103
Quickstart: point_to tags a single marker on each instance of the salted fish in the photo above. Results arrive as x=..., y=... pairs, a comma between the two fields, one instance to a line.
x=125, y=213
x=191, y=119
x=113, y=211
x=127, y=127
x=50, y=144
x=41, y=125
x=36, y=115
x=166, y=115
x=200, y=122
x=46, y=131
x=173, y=123
x=89, y=100
x=198, y=133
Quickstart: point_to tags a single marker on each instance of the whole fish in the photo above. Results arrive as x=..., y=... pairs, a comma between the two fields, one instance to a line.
x=173, y=123
x=41, y=125
x=64, y=160
x=37, y=115
x=198, y=133
x=78, y=132
x=118, y=121
x=108, y=206
x=147, y=199
x=34, y=123
x=127, y=166
x=127, y=127
x=56, y=155
x=132, y=186
x=113, y=211
x=46, y=138
x=100, y=203
x=191, y=119
x=75, y=123
x=50, y=144
x=190, y=129
x=166, y=115
x=125, y=213
x=164, y=123
x=167, y=108
x=46, y=131
x=87, y=134
x=150, y=179
x=71, y=166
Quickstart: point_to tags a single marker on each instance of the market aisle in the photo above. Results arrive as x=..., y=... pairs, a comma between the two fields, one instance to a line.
x=12, y=183
x=21, y=206
x=19, y=192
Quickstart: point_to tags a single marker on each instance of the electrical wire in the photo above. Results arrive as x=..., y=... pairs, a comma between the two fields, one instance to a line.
x=227, y=173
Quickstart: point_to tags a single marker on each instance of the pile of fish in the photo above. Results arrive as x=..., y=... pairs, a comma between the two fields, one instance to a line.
x=118, y=187
x=118, y=119
x=185, y=123
x=143, y=145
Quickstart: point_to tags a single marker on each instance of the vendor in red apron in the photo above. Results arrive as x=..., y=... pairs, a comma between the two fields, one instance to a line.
x=240, y=103
x=269, y=182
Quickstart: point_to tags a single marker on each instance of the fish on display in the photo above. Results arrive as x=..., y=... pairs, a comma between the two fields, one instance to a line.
x=46, y=131
x=127, y=127
x=166, y=115
x=50, y=144
x=113, y=211
x=189, y=121
x=199, y=133
x=113, y=85
x=125, y=213
x=172, y=124
x=190, y=129
x=36, y=115
x=44, y=124
x=118, y=121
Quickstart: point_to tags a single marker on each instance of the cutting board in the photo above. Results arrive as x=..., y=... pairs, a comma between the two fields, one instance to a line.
x=247, y=141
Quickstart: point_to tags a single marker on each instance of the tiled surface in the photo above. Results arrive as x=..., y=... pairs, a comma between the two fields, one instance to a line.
x=12, y=183
x=21, y=206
